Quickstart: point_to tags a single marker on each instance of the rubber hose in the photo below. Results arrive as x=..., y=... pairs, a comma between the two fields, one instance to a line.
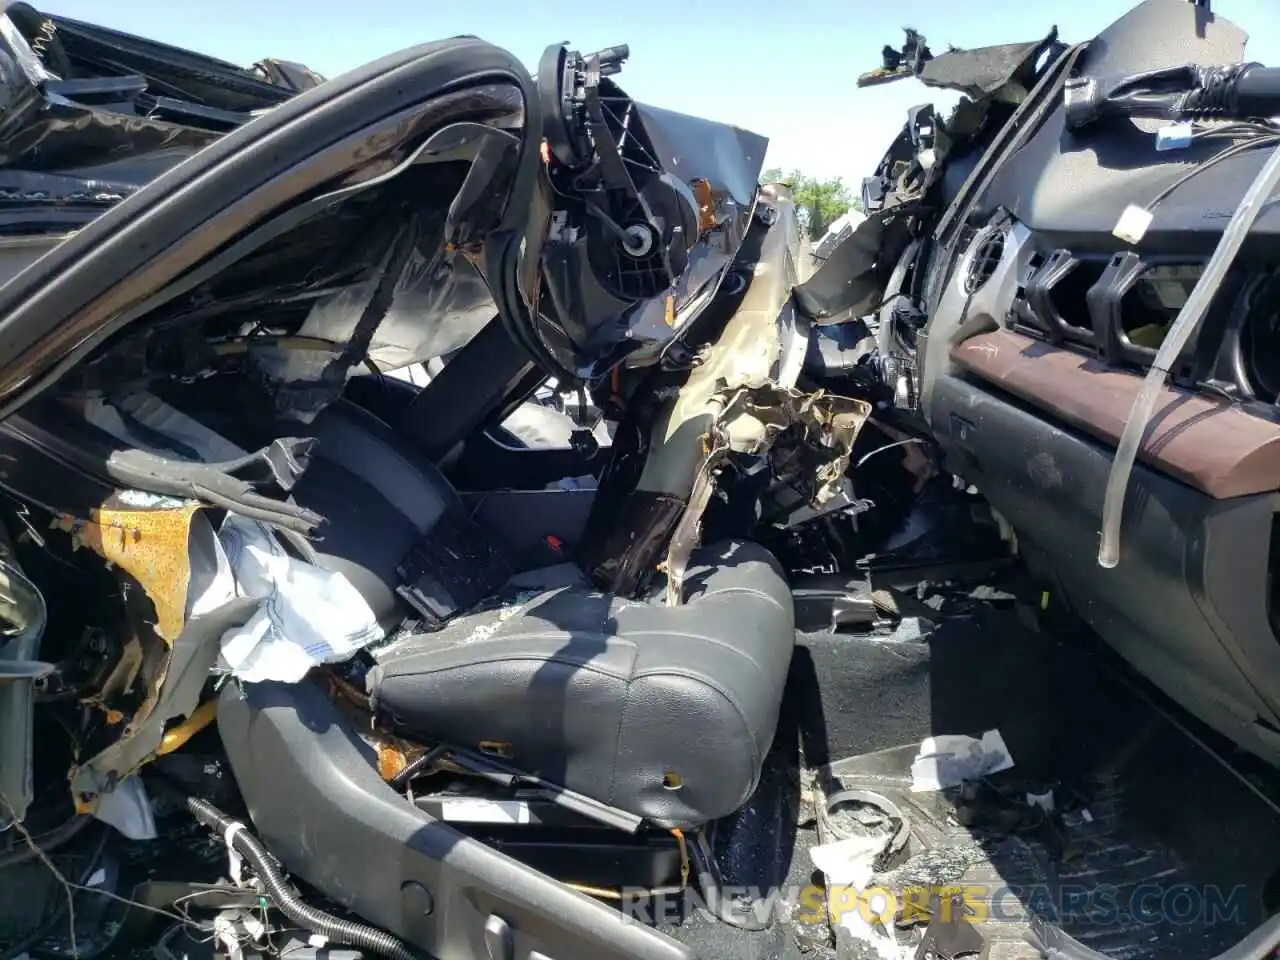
x=286, y=898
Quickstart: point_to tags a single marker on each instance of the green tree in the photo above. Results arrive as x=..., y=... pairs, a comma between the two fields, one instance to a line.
x=819, y=202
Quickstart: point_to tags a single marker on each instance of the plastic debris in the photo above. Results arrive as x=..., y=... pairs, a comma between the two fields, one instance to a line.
x=128, y=809
x=849, y=862
x=911, y=630
x=985, y=592
x=235, y=927
x=1174, y=136
x=1133, y=223
x=951, y=759
x=883, y=941
x=1042, y=800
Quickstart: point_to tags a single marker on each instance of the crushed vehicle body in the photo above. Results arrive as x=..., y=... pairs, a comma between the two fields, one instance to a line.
x=437, y=521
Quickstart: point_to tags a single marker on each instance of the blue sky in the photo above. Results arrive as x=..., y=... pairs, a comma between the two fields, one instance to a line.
x=785, y=69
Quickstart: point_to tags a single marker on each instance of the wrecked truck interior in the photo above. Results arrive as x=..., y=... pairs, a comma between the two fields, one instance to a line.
x=918, y=608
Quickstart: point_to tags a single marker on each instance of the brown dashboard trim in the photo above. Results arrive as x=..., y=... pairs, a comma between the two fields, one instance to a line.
x=1206, y=443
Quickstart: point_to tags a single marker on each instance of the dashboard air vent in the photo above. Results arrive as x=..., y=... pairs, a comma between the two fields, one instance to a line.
x=986, y=257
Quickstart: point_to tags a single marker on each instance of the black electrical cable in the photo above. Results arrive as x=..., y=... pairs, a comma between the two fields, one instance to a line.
x=1240, y=128
x=46, y=842
x=286, y=899
x=63, y=909
x=1263, y=140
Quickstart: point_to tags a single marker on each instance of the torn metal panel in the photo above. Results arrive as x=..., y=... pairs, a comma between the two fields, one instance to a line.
x=740, y=397
x=824, y=425
x=746, y=355
x=152, y=539
x=186, y=671
x=687, y=533
x=148, y=538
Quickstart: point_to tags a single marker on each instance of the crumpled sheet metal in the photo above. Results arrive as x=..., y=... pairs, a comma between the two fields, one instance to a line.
x=210, y=590
x=175, y=694
x=688, y=531
x=148, y=538
x=732, y=402
x=744, y=357
x=751, y=420
x=832, y=422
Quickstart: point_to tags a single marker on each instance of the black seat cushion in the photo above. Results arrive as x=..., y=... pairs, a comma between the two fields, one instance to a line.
x=663, y=712
x=666, y=712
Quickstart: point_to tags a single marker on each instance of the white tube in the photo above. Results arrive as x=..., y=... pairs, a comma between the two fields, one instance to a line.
x=1189, y=318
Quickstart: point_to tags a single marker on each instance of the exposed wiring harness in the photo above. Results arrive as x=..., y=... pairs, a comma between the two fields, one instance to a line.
x=283, y=895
